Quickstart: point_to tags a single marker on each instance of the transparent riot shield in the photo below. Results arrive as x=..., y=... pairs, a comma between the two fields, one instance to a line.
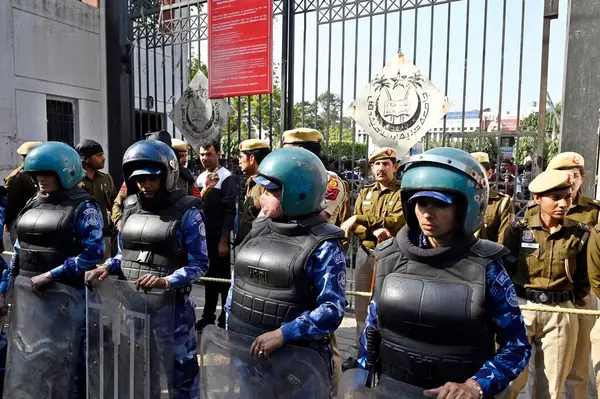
x=129, y=342
x=228, y=371
x=44, y=341
x=352, y=386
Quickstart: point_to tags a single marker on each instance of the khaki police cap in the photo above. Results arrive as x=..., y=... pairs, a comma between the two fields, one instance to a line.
x=481, y=157
x=565, y=160
x=551, y=180
x=383, y=153
x=28, y=146
x=301, y=135
x=253, y=144
x=179, y=145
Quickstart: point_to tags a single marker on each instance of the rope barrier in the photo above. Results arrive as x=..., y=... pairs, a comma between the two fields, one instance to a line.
x=532, y=308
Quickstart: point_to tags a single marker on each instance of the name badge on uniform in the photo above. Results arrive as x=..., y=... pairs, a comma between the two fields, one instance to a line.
x=369, y=194
x=366, y=202
x=533, y=245
x=528, y=240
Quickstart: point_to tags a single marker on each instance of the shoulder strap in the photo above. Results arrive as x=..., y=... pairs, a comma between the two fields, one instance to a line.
x=504, y=203
x=386, y=248
x=327, y=231
x=489, y=250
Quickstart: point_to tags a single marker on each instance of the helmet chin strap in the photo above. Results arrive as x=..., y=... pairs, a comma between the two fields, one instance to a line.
x=158, y=202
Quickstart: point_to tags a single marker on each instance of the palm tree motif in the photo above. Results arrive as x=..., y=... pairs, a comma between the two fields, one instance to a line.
x=382, y=82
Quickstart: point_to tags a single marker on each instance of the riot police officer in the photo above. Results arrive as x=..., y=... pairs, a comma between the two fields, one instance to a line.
x=292, y=261
x=170, y=255
x=441, y=295
x=59, y=237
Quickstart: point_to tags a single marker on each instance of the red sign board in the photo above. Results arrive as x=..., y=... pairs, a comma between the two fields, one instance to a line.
x=240, y=47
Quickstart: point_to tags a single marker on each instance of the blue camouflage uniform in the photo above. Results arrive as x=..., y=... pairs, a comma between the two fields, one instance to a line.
x=513, y=351
x=192, y=239
x=88, y=228
x=327, y=269
x=3, y=203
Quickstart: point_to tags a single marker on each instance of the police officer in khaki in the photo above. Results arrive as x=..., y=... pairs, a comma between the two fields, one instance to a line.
x=97, y=184
x=377, y=216
x=593, y=262
x=500, y=208
x=337, y=189
x=252, y=152
x=336, y=197
x=186, y=180
x=20, y=188
x=584, y=210
x=550, y=270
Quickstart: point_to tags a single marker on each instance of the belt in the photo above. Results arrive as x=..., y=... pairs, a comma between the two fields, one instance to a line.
x=544, y=297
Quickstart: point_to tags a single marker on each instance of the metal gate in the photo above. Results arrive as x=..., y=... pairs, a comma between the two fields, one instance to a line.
x=479, y=52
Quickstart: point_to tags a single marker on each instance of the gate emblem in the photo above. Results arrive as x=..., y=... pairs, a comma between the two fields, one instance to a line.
x=399, y=106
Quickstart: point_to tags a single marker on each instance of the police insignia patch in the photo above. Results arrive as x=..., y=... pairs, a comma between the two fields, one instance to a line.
x=91, y=217
x=332, y=193
x=527, y=236
x=511, y=296
x=341, y=280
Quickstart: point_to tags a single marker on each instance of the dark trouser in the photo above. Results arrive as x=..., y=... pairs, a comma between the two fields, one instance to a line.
x=219, y=267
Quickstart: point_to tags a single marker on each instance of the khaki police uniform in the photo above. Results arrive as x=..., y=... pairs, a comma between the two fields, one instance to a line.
x=376, y=207
x=20, y=188
x=584, y=210
x=102, y=188
x=550, y=270
x=335, y=197
x=251, y=203
x=117, y=209
x=499, y=213
x=593, y=263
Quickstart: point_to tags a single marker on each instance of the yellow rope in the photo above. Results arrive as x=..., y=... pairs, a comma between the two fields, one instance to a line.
x=533, y=308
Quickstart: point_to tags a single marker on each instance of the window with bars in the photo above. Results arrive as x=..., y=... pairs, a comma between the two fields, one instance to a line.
x=61, y=121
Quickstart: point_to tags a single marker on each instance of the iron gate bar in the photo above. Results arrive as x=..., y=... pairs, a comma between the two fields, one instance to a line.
x=483, y=54
x=447, y=68
x=520, y=81
x=502, y=66
x=464, y=96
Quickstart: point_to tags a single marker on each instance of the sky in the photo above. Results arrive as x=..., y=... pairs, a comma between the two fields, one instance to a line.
x=325, y=54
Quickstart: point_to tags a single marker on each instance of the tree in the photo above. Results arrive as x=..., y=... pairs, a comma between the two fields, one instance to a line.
x=262, y=117
x=194, y=65
x=531, y=124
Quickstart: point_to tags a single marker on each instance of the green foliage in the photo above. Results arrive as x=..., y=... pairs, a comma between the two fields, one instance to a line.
x=485, y=144
x=333, y=150
x=194, y=65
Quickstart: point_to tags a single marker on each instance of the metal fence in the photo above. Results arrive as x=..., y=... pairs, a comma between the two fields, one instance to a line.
x=479, y=52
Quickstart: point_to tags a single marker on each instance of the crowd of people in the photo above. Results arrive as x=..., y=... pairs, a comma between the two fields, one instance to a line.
x=446, y=260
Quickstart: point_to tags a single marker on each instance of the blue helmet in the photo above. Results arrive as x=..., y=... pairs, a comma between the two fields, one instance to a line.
x=447, y=170
x=301, y=176
x=59, y=158
x=151, y=157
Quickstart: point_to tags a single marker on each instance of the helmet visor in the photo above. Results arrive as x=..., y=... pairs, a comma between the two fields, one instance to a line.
x=444, y=197
x=266, y=183
x=152, y=171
